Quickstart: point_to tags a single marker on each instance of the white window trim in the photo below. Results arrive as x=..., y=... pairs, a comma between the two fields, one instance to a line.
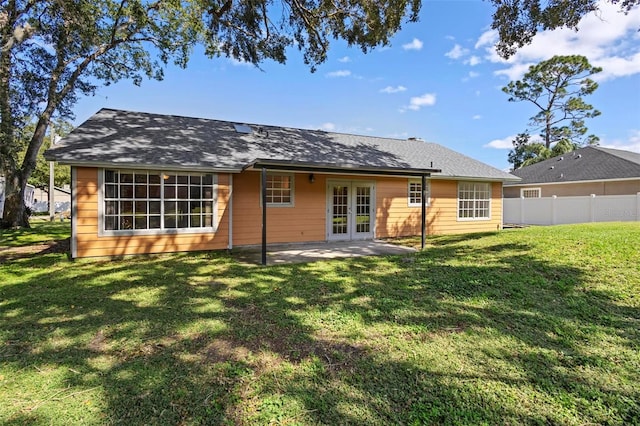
x=409, y=182
x=473, y=219
x=538, y=189
x=291, y=203
x=170, y=231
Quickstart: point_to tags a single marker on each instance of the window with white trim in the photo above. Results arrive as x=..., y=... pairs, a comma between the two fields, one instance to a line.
x=474, y=200
x=142, y=201
x=279, y=189
x=530, y=192
x=415, y=192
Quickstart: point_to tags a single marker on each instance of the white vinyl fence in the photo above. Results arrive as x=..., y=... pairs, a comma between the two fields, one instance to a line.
x=558, y=210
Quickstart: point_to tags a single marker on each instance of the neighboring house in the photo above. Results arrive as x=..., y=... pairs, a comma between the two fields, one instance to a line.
x=585, y=171
x=61, y=197
x=147, y=183
x=29, y=194
x=590, y=184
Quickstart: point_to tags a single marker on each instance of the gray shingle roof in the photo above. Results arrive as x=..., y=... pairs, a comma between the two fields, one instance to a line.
x=588, y=163
x=133, y=139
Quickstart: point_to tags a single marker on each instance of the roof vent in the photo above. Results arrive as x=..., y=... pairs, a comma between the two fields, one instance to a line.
x=561, y=175
x=552, y=167
x=262, y=132
x=560, y=158
x=579, y=156
x=414, y=138
x=243, y=128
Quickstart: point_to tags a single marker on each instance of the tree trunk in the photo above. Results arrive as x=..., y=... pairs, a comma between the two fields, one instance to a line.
x=15, y=213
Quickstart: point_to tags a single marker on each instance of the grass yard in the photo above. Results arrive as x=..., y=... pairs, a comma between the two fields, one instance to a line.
x=528, y=326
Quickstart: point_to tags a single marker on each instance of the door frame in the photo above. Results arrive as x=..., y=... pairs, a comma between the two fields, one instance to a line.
x=351, y=224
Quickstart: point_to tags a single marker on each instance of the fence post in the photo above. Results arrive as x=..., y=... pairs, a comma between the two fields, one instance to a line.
x=592, y=208
x=522, y=209
x=553, y=209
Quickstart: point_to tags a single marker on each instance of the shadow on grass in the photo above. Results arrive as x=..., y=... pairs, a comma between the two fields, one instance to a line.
x=201, y=339
x=40, y=232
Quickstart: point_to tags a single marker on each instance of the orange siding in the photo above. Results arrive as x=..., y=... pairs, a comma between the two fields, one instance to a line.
x=90, y=244
x=443, y=213
x=396, y=218
x=305, y=221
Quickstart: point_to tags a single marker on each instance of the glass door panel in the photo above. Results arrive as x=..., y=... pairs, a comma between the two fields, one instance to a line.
x=363, y=209
x=350, y=210
x=340, y=210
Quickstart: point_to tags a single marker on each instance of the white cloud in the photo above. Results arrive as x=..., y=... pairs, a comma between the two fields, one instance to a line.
x=507, y=143
x=504, y=143
x=488, y=38
x=473, y=61
x=414, y=45
x=457, y=52
x=631, y=144
x=391, y=89
x=476, y=117
x=472, y=74
x=417, y=102
x=516, y=71
x=344, y=59
x=607, y=38
x=340, y=73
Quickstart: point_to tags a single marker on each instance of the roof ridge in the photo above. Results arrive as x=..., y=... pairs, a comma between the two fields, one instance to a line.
x=606, y=151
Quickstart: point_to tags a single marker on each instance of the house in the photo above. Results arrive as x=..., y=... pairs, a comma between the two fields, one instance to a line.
x=148, y=183
x=585, y=171
x=62, y=199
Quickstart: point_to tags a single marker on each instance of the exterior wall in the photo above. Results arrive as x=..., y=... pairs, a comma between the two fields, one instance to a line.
x=88, y=243
x=625, y=187
x=443, y=214
x=396, y=218
x=305, y=221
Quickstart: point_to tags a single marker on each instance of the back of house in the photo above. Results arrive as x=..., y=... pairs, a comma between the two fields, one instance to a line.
x=149, y=183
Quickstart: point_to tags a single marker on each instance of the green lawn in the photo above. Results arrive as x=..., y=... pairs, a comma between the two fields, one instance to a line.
x=528, y=326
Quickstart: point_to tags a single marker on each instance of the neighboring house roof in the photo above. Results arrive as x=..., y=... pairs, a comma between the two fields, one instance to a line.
x=132, y=139
x=584, y=164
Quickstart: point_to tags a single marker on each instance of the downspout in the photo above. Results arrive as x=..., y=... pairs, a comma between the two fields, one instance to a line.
x=74, y=212
x=264, y=216
x=423, y=225
x=230, y=212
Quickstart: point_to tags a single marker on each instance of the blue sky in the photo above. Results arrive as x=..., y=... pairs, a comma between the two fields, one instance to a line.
x=439, y=80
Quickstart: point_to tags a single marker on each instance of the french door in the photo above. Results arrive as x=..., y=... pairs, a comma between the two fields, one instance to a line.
x=350, y=210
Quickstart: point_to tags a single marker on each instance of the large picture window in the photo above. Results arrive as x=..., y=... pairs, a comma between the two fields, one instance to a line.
x=415, y=193
x=474, y=200
x=150, y=200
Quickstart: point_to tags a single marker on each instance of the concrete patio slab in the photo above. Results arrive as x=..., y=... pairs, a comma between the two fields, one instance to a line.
x=311, y=252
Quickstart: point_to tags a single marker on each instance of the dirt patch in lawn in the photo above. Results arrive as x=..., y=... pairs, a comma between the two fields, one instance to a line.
x=13, y=253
